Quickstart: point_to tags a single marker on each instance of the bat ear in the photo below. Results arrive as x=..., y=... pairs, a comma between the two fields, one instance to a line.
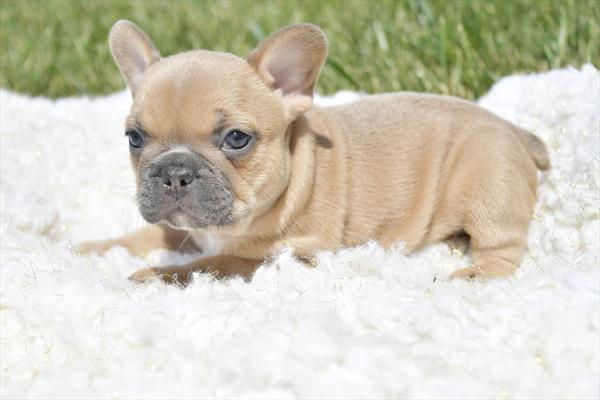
x=133, y=52
x=289, y=62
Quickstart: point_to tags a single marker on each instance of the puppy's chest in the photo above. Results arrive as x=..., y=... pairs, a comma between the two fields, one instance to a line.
x=210, y=243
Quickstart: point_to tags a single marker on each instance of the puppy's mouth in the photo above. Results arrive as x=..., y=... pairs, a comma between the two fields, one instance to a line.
x=182, y=219
x=183, y=190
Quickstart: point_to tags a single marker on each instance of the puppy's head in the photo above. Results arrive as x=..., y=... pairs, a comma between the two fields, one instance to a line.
x=208, y=131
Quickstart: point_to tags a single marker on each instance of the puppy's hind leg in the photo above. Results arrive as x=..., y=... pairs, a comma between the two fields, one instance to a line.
x=493, y=259
x=498, y=231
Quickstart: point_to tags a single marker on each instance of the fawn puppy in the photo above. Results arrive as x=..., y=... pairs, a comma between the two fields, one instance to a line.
x=234, y=149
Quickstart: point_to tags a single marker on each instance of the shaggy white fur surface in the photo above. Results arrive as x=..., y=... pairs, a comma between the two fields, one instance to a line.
x=364, y=323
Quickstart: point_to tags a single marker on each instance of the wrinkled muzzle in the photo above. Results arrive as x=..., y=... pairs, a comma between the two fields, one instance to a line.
x=183, y=189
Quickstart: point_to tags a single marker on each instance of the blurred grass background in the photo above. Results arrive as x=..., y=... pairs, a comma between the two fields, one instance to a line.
x=58, y=48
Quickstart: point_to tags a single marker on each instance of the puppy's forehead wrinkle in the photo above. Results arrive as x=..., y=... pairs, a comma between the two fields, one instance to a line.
x=220, y=119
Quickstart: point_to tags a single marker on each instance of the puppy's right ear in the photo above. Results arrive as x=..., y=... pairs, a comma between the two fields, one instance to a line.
x=133, y=52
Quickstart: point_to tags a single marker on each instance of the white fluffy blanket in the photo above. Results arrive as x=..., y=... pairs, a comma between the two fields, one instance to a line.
x=364, y=323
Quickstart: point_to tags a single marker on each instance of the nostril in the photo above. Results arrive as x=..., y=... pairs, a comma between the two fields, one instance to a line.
x=186, y=180
x=166, y=181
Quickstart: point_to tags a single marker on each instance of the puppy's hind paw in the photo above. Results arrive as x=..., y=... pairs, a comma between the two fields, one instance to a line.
x=472, y=272
x=478, y=272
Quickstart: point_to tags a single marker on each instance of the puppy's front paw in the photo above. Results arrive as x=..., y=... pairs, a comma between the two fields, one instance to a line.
x=166, y=274
x=93, y=247
x=145, y=275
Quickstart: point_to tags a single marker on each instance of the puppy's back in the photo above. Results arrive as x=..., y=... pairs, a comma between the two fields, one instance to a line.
x=409, y=154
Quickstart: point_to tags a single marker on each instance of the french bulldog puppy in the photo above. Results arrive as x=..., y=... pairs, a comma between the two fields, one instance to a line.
x=234, y=149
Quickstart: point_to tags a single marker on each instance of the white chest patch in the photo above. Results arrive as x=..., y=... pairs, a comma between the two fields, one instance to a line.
x=208, y=242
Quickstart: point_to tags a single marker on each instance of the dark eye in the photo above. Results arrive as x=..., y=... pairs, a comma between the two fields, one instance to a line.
x=135, y=139
x=236, y=140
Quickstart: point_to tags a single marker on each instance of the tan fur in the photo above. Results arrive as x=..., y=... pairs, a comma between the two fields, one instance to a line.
x=402, y=167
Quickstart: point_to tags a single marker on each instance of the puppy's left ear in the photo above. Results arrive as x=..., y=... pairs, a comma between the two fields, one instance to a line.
x=289, y=62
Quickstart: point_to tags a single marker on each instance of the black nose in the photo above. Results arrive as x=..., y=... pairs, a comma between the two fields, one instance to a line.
x=177, y=177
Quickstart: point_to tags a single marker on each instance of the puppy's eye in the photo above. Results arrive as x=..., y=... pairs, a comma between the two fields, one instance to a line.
x=236, y=140
x=135, y=139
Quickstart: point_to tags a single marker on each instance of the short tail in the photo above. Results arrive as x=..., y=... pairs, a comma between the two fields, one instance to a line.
x=536, y=149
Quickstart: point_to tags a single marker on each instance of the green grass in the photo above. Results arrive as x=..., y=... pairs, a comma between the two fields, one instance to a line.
x=59, y=48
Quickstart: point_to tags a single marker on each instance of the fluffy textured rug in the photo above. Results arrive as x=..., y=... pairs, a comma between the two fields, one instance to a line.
x=364, y=323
